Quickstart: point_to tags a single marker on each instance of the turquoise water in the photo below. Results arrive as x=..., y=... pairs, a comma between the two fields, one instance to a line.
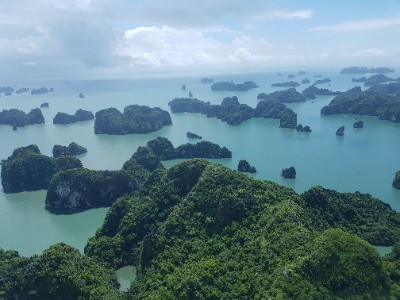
x=125, y=277
x=362, y=160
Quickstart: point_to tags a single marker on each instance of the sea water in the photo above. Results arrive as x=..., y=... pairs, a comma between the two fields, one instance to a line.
x=363, y=160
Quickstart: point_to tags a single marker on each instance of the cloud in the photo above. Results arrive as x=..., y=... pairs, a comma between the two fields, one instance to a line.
x=167, y=46
x=284, y=15
x=361, y=25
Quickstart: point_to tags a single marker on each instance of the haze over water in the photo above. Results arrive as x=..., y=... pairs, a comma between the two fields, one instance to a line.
x=363, y=160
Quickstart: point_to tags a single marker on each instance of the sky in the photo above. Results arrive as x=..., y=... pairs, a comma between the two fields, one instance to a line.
x=125, y=38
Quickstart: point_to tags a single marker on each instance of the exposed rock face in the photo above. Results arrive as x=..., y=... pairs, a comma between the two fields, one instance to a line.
x=28, y=170
x=358, y=124
x=72, y=149
x=289, y=173
x=134, y=119
x=79, y=116
x=244, y=166
x=340, y=131
x=18, y=118
x=81, y=188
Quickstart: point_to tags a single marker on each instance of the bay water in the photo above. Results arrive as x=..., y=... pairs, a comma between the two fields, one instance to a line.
x=363, y=160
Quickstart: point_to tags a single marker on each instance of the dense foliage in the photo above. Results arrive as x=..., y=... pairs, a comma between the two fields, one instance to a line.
x=385, y=107
x=28, y=170
x=61, y=272
x=230, y=86
x=286, y=84
x=275, y=110
x=134, y=119
x=396, y=180
x=289, y=173
x=18, y=118
x=79, y=116
x=286, y=96
x=244, y=166
x=201, y=231
x=72, y=149
x=364, y=70
x=389, y=88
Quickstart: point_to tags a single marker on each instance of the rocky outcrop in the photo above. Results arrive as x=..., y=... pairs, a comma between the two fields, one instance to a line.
x=44, y=105
x=79, y=116
x=358, y=124
x=244, y=166
x=134, y=119
x=18, y=118
x=289, y=173
x=41, y=91
x=28, y=170
x=286, y=96
x=81, y=95
x=303, y=129
x=22, y=90
x=192, y=135
x=71, y=150
x=80, y=189
x=275, y=110
x=340, y=131
x=396, y=180
x=312, y=91
x=305, y=81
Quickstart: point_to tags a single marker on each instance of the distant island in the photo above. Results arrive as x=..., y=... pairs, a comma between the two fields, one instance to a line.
x=286, y=84
x=41, y=91
x=230, y=86
x=234, y=113
x=370, y=102
x=192, y=135
x=79, y=116
x=340, y=131
x=364, y=70
x=6, y=89
x=396, y=180
x=321, y=81
x=358, y=124
x=71, y=150
x=134, y=119
x=290, y=76
x=44, y=105
x=312, y=91
x=305, y=81
x=303, y=129
x=286, y=96
x=28, y=170
x=301, y=72
x=81, y=95
x=22, y=90
x=373, y=79
x=18, y=118
x=207, y=80
x=244, y=166
x=289, y=173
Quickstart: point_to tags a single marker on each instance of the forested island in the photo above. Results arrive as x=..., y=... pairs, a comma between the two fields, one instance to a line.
x=41, y=91
x=388, y=88
x=289, y=173
x=358, y=124
x=286, y=84
x=134, y=119
x=44, y=105
x=244, y=166
x=234, y=113
x=321, y=81
x=312, y=91
x=286, y=96
x=22, y=90
x=231, y=86
x=72, y=149
x=192, y=135
x=355, y=101
x=340, y=131
x=302, y=128
x=18, y=118
x=199, y=229
x=79, y=116
x=373, y=79
x=364, y=70
x=28, y=170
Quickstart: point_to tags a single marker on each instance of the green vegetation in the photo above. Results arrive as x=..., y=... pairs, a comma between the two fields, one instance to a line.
x=230, y=86
x=389, y=88
x=72, y=149
x=396, y=180
x=28, y=170
x=18, y=118
x=289, y=173
x=61, y=272
x=287, y=96
x=275, y=110
x=385, y=107
x=134, y=119
x=79, y=116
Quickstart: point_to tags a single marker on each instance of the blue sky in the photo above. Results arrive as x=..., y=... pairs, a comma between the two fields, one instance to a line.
x=108, y=38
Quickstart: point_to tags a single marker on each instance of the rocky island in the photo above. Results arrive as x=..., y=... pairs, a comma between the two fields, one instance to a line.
x=286, y=84
x=79, y=116
x=6, y=89
x=355, y=101
x=321, y=81
x=71, y=150
x=373, y=79
x=230, y=86
x=44, y=105
x=303, y=129
x=134, y=119
x=364, y=70
x=22, y=90
x=206, y=80
x=28, y=170
x=244, y=166
x=192, y=135
x=396, y=180
x=286, y=96
x=305, y=81
x=275, y=110
x=41, y=91
x=358, y=124
x=388, y=88
x=289, y=173
x=18, y=118
x=340, y=131
x=81, y=95
x=312, y=91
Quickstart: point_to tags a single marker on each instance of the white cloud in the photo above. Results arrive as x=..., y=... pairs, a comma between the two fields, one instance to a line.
x=166, y=46
x=361, y=25
x=284, y=14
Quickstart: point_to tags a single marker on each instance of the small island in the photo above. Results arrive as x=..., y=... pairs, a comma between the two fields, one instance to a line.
x=22, y=90
x=41, y=91
x=305, y=81
x=312, y=91
x=373, y=79
x=8, y=93
x=28, y=170
x=244, y=166
x=396, y=180
x=71, y=150
x=231, y=86
x=364, y=70
x=18, y=118
x=44, y=105
x=340, y=131
x=358, y=124
x=286, y=84
x=135, y=119
x=183, y=87
x=322, y=81
x=303, y=129
x=6, y=89
x=79, y=116
x=206, y=80
x=301, y=72
x=192, y=135
x=289, y=173
x=291, y=76
x=286, y=96
x=81, y=95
